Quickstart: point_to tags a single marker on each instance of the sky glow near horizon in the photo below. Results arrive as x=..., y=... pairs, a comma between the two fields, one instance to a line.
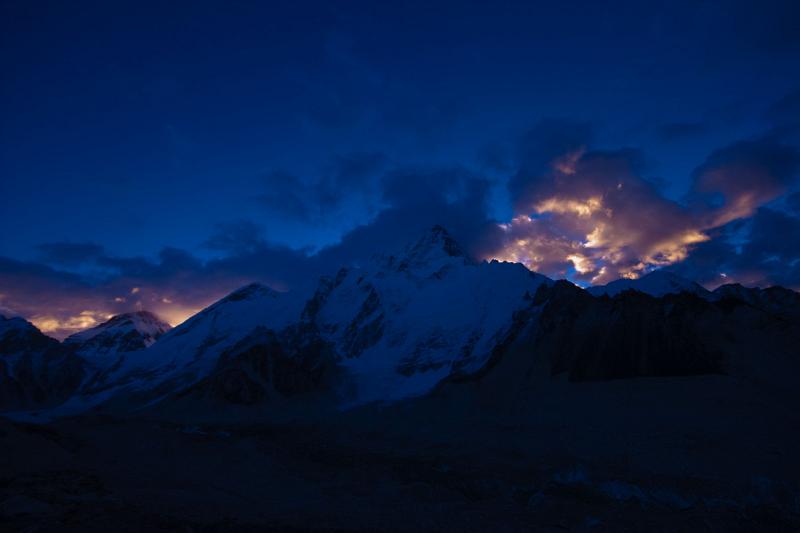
x=158, y=157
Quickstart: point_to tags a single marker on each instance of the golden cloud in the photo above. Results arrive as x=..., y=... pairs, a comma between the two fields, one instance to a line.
x=64, y=327
x=596, y=218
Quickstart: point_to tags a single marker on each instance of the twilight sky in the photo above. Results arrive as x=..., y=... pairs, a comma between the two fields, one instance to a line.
x=157, y=155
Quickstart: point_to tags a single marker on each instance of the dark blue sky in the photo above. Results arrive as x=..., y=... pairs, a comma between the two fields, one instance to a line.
x=184, y=148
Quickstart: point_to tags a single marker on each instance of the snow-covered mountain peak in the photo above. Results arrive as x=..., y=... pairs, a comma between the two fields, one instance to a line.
x=394, y=327
x=434, y=254
x=191, y=350
x=439, y=240
x=657, y=283
x=122, y=333
x=400, y=326
x=253, y=291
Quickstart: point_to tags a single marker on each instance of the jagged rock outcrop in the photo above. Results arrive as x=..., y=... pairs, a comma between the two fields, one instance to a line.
x=567, y=332
x=404, y=324
x=35, y=370
x=267, y=366
x=632, y=334
x=776, y=301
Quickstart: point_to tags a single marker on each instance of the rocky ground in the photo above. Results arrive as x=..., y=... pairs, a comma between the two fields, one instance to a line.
x=650, y=454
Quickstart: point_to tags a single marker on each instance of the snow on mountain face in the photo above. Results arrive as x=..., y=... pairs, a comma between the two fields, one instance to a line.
x=395, y=327
x=403, y=323
x=657, y=283
x=190, y=351
x=434, y=253
x=123, y=333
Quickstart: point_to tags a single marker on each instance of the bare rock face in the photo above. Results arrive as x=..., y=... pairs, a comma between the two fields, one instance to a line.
x=565, y=331
x=632, y=334
x=777, y=301
x=267, y=366
x=35, y=371
x=402, y=325
x=17, y=335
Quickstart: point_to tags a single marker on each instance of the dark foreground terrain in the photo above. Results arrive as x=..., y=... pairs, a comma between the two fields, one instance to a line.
x=705, y=453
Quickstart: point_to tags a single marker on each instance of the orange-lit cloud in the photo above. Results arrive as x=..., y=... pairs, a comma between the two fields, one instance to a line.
x=589, y=215
x=59, y=321
x=61, y=327
x=61, y=303
x=581, y=208
x=593, y=216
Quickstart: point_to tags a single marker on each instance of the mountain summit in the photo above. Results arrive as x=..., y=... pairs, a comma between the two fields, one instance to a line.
x=127, y=332
x=401, y=326
x=434, y=254
x=391, y=329
x=437, y=240
x=657, y=283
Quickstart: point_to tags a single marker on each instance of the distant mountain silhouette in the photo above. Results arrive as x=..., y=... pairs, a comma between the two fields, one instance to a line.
x=402, y=326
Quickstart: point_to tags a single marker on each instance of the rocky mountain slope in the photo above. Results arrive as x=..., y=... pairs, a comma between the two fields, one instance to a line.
x=35, y=370
x=392, y=329
x=405, y=324
x=127, y=332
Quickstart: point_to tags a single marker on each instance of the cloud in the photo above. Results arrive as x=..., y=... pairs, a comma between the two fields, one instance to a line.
x=177, y=283
x=545, y=145
x=589, y=214
x=285, y=195
x=772, y=249
x=416, y=200
x=678, y=131
x=38, y=292
x=784, y=116
x=793, y=202
x=237, y=238
x=594, y=215
x=761, y=251
x=735, y=180
x=786, y=109
x=346, y=180
x=69, y=254
x=61, y=302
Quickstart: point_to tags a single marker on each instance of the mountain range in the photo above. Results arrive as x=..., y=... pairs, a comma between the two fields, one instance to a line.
x=422, y=321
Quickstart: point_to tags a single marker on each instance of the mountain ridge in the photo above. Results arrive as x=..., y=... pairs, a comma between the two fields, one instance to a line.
x=403, y=324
